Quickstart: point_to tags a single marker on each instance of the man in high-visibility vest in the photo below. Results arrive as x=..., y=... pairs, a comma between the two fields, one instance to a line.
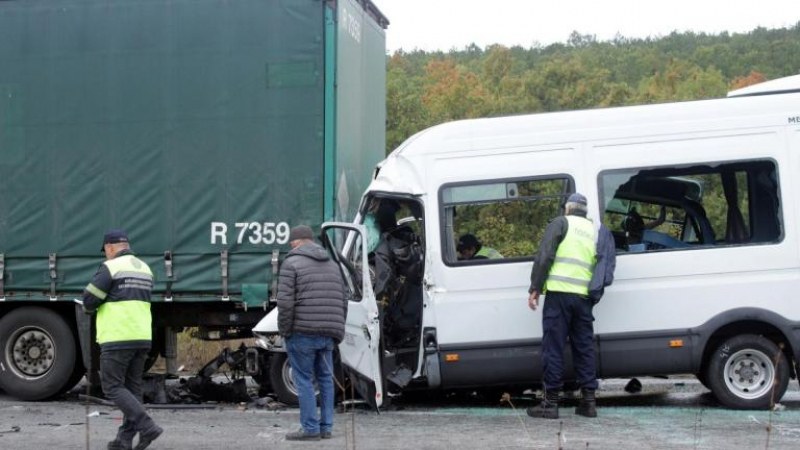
x=564, y=270
x=120, y=296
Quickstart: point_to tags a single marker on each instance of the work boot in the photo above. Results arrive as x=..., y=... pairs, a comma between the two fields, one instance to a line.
x=548, y=408
x=588, y=404
x=302, y=435
x=325, y=434
x=117, y=444
x=146, y=437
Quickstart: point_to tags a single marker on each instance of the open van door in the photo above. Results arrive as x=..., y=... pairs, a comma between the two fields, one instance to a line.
x=360, y=349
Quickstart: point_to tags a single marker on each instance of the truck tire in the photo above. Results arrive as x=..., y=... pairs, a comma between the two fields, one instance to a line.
x=38, y=353
x=748, y=372
x=77, y=374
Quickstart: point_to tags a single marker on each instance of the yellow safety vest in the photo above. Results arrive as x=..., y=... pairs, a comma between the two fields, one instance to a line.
x=122, y=318
x=572, y=268
x=489, y=253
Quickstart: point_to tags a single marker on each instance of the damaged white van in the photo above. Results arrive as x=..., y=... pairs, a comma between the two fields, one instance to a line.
x=703, y=206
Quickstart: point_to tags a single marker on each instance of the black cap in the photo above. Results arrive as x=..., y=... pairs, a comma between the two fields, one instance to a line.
x=468, y=241
x=577, y=198
x=301, y=232
x=114, y=236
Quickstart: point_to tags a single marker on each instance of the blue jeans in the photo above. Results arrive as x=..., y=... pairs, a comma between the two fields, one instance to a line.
x=568, y=315
x=311, y=357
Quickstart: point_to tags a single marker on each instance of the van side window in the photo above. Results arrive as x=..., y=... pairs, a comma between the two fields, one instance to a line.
x=700, y=206
x=498, y=221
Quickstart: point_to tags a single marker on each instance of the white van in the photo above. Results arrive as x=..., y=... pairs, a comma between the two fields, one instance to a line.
x=704, y=211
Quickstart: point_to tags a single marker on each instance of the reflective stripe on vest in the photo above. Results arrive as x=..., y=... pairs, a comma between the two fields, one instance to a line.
x=572, y=268
x=126, y=319
x=488, y=252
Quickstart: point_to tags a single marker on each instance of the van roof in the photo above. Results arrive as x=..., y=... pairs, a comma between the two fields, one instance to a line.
x=778, y=86
x=547, y=129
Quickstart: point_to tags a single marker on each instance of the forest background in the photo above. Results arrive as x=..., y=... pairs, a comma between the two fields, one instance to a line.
x=428, y=88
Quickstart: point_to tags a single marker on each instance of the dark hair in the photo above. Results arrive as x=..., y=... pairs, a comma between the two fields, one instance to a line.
x=634, y=225
x=386, y=215
x=468, y=241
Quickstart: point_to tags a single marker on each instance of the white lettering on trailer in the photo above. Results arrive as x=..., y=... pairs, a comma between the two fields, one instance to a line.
x=256, y=233
x=351, y=24
x=219, y=230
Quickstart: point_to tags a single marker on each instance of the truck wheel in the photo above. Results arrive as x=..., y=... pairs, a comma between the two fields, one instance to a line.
x=77, y=374
x=38, y=353
x=748, y=372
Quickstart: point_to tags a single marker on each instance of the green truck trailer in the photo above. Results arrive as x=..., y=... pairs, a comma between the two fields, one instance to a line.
x=205, y=128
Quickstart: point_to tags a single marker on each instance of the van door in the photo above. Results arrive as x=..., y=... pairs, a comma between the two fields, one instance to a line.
x=360, y=349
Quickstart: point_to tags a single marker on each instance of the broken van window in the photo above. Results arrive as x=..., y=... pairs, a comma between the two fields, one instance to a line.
x=699, y=206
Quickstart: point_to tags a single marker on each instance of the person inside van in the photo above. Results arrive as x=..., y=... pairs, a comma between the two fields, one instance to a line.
x=634, y=227
x=469, y=247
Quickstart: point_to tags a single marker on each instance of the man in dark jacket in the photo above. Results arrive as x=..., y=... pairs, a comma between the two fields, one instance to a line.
x=573, y=266
x=311, y=316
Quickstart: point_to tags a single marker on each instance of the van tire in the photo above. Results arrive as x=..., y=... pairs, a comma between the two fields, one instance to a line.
x=282, y=384
x=37, y=353
x=281, y=380
x=742, y=373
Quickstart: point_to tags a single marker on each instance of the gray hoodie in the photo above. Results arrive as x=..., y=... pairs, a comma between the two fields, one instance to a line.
x=311, y=294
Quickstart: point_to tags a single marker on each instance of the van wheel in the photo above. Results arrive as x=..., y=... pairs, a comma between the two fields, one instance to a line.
x=748, y=372
x=280, y=377
x=701, y=377
x=38, y=353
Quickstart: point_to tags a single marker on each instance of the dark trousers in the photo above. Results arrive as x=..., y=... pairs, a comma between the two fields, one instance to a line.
x=568, y=316
x=121, y=377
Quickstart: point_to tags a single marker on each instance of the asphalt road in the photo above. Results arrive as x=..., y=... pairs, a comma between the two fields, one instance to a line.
x=667, y=414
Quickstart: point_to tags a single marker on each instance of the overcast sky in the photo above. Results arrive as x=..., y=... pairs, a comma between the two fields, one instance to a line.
x=447, y=24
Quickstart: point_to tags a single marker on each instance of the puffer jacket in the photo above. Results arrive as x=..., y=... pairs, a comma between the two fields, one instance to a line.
x=311, y=294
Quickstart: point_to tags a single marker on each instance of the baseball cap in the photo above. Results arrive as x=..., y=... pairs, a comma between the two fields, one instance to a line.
x=577, y=198
x=114, y=236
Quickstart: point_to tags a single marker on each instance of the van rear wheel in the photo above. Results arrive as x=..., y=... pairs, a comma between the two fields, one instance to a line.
x=748, y=372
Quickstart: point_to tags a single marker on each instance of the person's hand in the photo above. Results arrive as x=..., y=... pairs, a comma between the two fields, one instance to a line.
x=533, y=300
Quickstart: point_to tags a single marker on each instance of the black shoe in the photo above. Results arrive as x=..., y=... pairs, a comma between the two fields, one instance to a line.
x=147, y=437
x=302, y=435
x=548, y=409
x=325, y=434
x=116, y=444
x=588, y=404
x=543, y=411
